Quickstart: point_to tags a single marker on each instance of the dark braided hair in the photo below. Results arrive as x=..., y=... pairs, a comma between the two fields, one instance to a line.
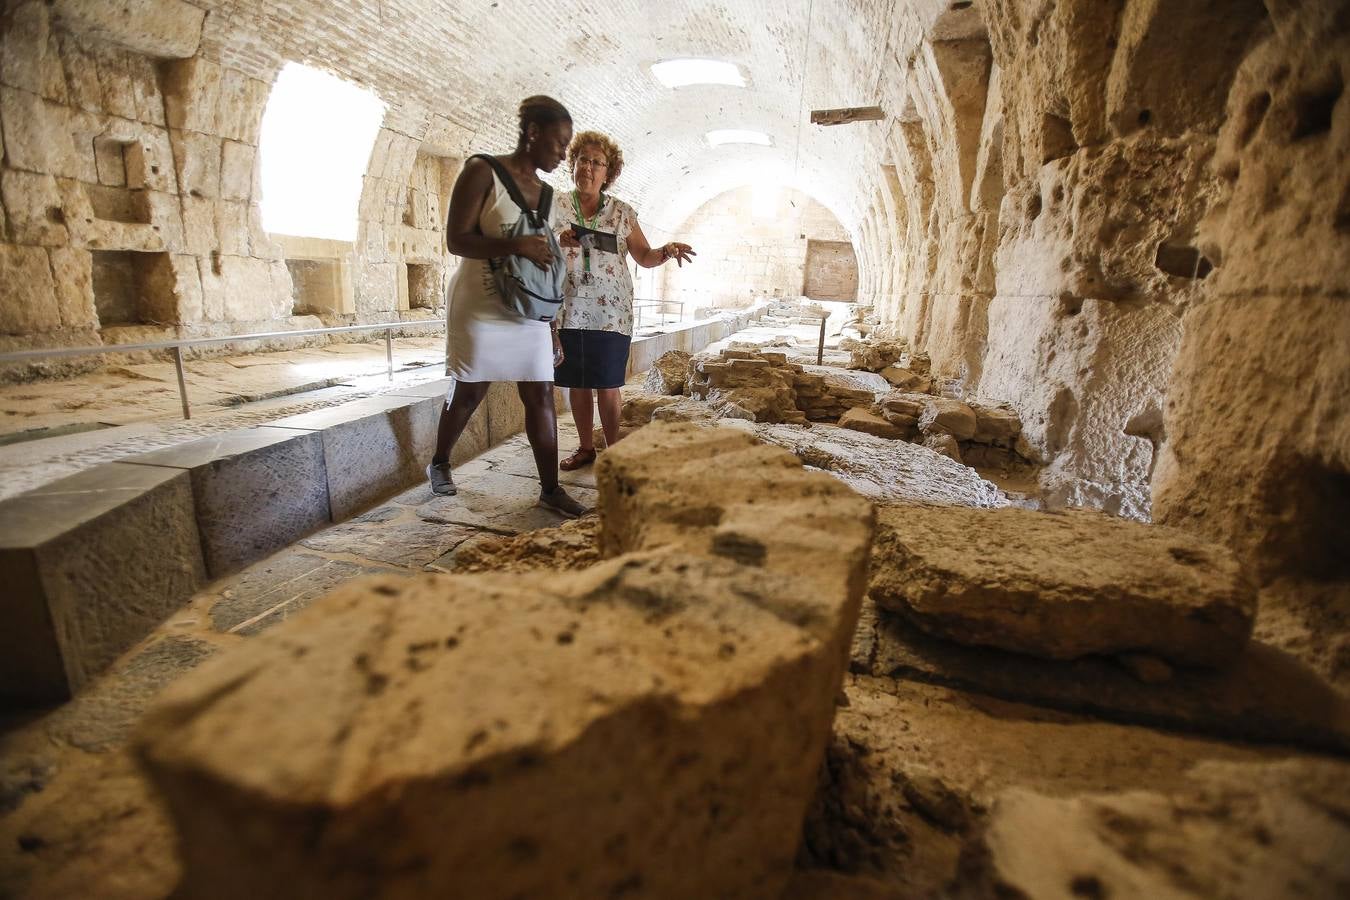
x=542, y=111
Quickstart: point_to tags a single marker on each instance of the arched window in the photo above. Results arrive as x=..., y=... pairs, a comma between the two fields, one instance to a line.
x=317, y=133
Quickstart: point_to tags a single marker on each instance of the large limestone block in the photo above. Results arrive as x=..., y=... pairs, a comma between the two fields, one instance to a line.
x=1063, y=585
x=859, y=419
x=255, y=491
x=91, y=563
x=1229, y=830
x=942, y=415
x=29, y=301
x=166, y=29
x=658, y=733
x=884, y=470
x=372, y=448
x=667, y=374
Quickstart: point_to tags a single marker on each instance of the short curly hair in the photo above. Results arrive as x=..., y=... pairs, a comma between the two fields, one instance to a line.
x=613, y=155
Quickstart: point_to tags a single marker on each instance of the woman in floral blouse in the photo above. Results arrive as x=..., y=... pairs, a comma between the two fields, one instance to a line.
x=596, y=326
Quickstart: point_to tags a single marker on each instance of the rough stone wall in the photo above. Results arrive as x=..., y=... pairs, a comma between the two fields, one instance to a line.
x=1268, y=342
x=744, y=253
x=1051, y=164
x=129, y=180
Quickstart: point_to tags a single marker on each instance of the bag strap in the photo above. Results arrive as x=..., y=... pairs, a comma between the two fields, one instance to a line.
x=512, y=189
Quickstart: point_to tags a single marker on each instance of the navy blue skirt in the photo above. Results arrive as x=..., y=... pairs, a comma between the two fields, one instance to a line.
x=592, y=359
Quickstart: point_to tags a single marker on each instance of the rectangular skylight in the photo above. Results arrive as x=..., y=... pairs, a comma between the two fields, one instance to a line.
x=675, y=73
x=738, y=136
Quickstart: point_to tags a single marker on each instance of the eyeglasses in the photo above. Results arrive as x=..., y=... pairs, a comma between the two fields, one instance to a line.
x=592, y=162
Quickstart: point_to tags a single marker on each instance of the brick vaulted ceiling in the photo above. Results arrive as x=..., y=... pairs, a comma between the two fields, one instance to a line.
x=452, y=73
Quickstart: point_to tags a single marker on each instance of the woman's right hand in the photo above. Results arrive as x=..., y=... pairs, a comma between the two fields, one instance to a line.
x=535, y=248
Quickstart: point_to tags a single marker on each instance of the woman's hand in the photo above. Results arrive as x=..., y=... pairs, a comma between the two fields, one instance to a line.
x=535, y=248
x=569, y=239
x=558, y=355
x=679, y=252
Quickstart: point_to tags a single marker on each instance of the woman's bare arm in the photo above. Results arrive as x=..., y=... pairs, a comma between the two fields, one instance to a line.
x=462, y=235
x=650, y=257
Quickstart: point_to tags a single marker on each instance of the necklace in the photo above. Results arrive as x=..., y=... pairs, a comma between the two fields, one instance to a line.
x=587, y=239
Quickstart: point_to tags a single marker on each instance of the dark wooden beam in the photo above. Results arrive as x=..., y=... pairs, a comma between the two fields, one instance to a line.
x=844, y=116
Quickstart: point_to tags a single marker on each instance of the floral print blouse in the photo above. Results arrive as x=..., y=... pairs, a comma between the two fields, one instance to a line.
x=606, y=303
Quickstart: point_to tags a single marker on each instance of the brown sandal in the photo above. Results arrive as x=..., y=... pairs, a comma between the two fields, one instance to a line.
x=577, y=460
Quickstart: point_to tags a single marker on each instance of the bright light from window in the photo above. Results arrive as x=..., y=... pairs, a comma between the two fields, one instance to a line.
x=675, y=73
x=317, y=133
x=737, y=136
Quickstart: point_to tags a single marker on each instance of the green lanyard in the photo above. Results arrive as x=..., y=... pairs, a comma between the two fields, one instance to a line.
x=595, y=220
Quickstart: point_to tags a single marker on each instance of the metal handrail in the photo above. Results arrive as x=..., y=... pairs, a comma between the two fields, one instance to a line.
x=177, y=347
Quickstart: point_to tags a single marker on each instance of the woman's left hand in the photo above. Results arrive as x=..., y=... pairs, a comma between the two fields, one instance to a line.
x=679, y=252
x=558, y=356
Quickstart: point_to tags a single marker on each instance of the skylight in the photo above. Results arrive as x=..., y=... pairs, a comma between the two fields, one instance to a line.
x=738, y=136
x=317, y=134
x=675, y=73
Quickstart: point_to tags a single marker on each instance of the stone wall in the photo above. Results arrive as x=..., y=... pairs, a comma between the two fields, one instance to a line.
x=749, y=246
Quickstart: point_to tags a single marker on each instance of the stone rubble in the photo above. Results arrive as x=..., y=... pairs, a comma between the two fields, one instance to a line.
x=701, y=661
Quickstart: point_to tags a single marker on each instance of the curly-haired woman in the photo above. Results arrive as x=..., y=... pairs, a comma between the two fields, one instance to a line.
x=596, y=325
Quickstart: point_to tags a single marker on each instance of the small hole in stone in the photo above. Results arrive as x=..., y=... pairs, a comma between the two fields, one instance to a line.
x=1088, y=886
x=963, y=4
x=565, y=638
x=56, y=215
x=1145, y=116
x=1313, y=109
x=386, y=590
x=31, y=843
x=1033, y=207
x=1070, y=305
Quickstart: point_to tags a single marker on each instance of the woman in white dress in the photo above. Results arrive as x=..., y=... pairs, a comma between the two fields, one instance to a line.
x=486, y=341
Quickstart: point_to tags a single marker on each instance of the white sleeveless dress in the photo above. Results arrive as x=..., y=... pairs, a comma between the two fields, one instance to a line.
x=484, y=340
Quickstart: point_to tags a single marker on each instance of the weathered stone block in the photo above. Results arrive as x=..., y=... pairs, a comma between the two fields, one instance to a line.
x=942, y=415
x=701, y=702
x=667, y=373
x=34, y=207
x=36, y=135
x=29, y=301
x=93, y=562
x=995, y=425
x=1003, y=578
x=73, y=276
x=236, y=170
x=372, y=448
x=167, y=29
x=255, y=491
x=859, y=419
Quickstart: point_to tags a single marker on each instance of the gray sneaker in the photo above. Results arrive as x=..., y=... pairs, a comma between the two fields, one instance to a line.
x=561, y=502
x=441, y=482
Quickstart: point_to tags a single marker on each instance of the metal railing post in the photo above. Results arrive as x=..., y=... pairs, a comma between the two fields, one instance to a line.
x=389, y=351
x=182, y=383
x=820, y=348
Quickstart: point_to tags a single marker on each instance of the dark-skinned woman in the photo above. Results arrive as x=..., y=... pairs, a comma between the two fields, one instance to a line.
x=486, y=341
x=596, y=325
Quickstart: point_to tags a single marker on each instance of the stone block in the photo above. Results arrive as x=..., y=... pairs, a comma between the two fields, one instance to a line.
x=942, y=415
x=165, y=29
x=702, y=666
x=505, y=412
x=1002, y=578
x=33, y=203
x=255, y=491
x=995, y=425
x=196, y=159
x=92, y=562
x=667, y=373
x=36, y=135
x=28, y=58
x=859, y=419
x=73, y=276
x=191, y=94
x=372, y=448
x=236, y=170
x=28, y=303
